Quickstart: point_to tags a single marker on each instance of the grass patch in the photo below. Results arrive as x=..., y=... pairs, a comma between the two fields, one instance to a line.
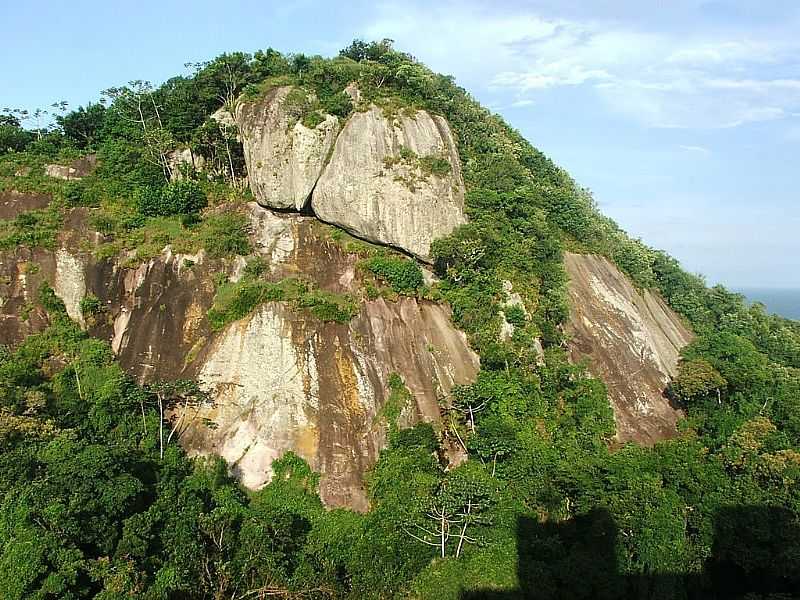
x=220, y=234
x=235, y=301
x=34, y=229
x=399, y=398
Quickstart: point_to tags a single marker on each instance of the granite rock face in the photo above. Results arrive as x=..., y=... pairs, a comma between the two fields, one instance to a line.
x=390, y=179
x=284, y=382
x=284, y=158
x=380, y=184
x=280, y=379
x=632, y=339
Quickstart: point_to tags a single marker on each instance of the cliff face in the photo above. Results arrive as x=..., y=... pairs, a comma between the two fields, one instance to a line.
x=392, y=180
x=379, y=186
x=280, y=379
x=632, y=340
x=284, y=157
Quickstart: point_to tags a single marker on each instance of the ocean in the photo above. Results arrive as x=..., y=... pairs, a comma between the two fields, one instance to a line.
x=779, y=301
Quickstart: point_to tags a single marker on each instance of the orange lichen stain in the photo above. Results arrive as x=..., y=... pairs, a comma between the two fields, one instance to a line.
x=192, y=319
x=347, y=376
x=306, y=443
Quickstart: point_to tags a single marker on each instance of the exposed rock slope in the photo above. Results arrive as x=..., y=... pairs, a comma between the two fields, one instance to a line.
x=632, y=340
x=376, y=187
x=77, y=169
x=284, y=157
x=286, y=382
x=281, y=379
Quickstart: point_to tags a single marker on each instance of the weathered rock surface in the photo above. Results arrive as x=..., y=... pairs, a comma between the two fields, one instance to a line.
x=284, y=158
x=77, y=169
x=369, y=189
x=286, y=382
x=182, y=161
x=281, y=379
x=632, y=340
x=13, y=203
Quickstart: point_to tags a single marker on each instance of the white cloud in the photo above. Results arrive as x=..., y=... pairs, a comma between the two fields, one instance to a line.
x=660, y=78
x=700, y=150
x=522, y=103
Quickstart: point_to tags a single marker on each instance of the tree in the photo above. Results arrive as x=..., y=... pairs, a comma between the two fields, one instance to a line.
x=136, y=104
x=457, y=506
x=177, y=395
x=176, y=198
x=83, y=126
x=696, y=379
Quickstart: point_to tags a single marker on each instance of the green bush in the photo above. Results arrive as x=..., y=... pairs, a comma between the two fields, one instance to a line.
x=435, y=165
x=90, y=305
x=338, y=104
x=402, y=274
x=175, y=198
x=34, y=229
x=235, y=301
x=312, y=119
x=225, y=235
x=327, y=306
x=515, y=315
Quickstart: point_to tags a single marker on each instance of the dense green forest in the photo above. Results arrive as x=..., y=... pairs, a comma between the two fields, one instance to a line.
x=95, y=503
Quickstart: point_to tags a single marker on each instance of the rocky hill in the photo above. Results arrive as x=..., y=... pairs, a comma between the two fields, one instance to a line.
x=347, y=285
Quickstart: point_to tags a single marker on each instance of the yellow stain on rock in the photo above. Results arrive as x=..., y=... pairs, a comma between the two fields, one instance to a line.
x=347, y=375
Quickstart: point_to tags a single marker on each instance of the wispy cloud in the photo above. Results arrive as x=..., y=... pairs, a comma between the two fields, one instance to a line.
x=699, y=150
x=660, y=78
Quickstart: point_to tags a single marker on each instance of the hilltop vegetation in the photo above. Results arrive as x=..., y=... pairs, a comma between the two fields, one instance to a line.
x=99, y=500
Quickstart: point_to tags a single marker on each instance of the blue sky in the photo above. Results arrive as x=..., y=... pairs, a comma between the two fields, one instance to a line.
x=683, y=117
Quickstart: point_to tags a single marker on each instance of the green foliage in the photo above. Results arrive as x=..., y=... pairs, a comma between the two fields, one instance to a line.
x=515, y=314
x=175, y=198
x=403, y=275
x=312, y=119
x=399, y=398
x=435, y=165
x=696, y=379
x=83, y=128
x=90, y=305
x=544, y=505
x=235, y=301
x=34, y=229
x=224, y=234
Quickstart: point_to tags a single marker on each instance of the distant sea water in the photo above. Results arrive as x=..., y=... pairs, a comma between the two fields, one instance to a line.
x=779, y=301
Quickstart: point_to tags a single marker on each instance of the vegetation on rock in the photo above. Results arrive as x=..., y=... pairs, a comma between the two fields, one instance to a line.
x=94, y=504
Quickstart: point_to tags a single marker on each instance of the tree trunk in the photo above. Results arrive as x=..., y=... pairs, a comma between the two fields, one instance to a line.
x=161, y=426
x=464, y=529
x=443, y=525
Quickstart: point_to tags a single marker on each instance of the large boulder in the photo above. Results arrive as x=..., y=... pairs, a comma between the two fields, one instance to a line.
x=394, y=180
x=632, y=340
x=284, y=158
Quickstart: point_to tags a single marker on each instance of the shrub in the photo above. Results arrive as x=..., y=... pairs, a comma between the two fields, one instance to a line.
x=327, y=306
x=175, y=198
x=90, y=305
x=225, y=235
x=435, y=165
x=312, y=119
x=515, y=315
x=403, y=275
x=339, y=105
